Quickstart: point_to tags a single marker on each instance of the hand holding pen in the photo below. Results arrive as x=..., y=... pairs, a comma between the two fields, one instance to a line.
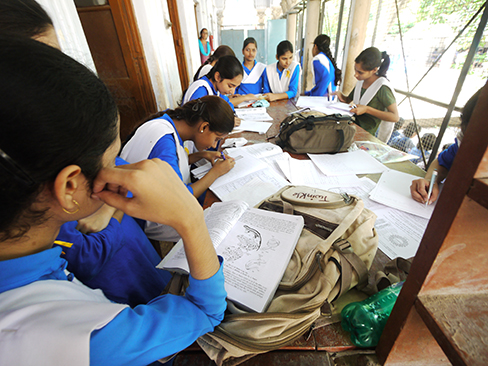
x=431, y=186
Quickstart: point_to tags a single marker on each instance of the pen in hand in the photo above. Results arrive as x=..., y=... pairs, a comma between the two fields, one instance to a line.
x=431, y=186
x=222, y=154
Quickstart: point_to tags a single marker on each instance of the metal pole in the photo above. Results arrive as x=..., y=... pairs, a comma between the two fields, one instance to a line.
x=462, y=76
x=339, y=26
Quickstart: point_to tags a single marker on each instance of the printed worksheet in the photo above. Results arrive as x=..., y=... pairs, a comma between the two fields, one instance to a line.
x=354, y=162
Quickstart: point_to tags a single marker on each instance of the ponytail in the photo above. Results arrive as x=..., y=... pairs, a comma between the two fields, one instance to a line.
x=372, y=58
x=323, y=45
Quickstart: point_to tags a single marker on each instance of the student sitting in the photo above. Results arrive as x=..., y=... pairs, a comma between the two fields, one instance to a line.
x=396, y=130
x=282, y=79
x=326, y=73
x=253, y=80
x=222, y=80
x=420, y=187
x=403, y=141
x=373, y=95
x=212, y=60
x=69, y=123
x=106, y=250
x=202, y=121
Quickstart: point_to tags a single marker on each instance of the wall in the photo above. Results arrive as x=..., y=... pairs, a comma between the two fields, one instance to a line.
x=69, y=30
x=157, y=39
x=189, y=33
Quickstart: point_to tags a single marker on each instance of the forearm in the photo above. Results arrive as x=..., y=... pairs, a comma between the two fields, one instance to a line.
x=388, y=116
x=199, y=250
x=441, y=171
x=204, y=183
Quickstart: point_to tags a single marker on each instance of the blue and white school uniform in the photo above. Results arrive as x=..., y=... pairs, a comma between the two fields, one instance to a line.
x=253, y=80
x=120, y=260
x=48, y=317
x=286, y=81
x=324, y=76
x=201, y=88
x=159, y=139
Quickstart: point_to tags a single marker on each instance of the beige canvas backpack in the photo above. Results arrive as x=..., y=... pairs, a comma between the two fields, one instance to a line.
x=334, y=252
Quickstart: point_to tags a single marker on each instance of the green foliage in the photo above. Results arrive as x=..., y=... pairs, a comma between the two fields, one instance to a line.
x=447, y=11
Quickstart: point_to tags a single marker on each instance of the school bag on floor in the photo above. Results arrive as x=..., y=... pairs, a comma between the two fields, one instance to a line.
x=333, y=254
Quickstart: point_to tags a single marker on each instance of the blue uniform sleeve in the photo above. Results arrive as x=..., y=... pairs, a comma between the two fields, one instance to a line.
x=293, y=87
x=164, y=326
x=224, y=97
x=321, y=79
x=200, y=92
x=87, y=254
x=165, y=149
x=446, y=157
x=266, y=87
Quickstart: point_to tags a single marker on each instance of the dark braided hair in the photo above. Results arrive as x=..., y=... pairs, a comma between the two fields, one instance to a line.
x=323, y=45
x=210, y=108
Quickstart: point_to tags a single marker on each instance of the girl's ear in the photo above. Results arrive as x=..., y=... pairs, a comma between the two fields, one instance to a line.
x=67, y=183
x=217, y=76
x=277, y=57
x=203, y=126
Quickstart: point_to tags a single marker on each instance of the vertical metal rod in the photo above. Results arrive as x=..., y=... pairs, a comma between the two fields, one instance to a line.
x=462, y=76
x=339, y=26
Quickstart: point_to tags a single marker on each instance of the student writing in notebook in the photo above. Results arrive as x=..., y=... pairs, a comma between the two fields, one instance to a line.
x=326, y=73
x=282, y=79
x=56, y=166
x=420, y=187
x=204, y=121
x=373, y=96
x=106, y=250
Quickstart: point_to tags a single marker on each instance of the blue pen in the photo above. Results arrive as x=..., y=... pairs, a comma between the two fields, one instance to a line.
x=222, y=154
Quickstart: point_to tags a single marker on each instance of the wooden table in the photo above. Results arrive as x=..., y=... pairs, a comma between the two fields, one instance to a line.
x=331, y=338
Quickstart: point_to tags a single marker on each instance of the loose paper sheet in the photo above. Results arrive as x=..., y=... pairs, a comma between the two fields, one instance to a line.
x=393, y=189
x=399, y=233
x=354, y=162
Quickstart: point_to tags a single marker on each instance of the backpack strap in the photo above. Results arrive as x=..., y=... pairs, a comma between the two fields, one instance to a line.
x=350, y=262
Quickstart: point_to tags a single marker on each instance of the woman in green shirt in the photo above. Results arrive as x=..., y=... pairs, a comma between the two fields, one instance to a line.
x=373, y=96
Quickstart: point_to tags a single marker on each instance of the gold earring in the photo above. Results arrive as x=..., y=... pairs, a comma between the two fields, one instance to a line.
x=77, y=208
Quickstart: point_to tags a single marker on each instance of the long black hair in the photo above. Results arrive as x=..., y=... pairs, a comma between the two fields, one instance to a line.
x=24, y=18
x=323, y=45
x=210, y=108
x=54, y=112
x=372, y=58
x=228, y=67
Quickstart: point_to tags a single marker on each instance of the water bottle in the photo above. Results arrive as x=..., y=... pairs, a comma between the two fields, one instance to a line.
x=366, y=319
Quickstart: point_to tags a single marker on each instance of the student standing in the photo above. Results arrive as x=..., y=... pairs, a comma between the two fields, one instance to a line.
x=326, y=73
x=253, y=80
x=204, y=122
x=212, y=60
x=282, y=79
x=204, y=45
x=69, y=123
x=373, y=95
